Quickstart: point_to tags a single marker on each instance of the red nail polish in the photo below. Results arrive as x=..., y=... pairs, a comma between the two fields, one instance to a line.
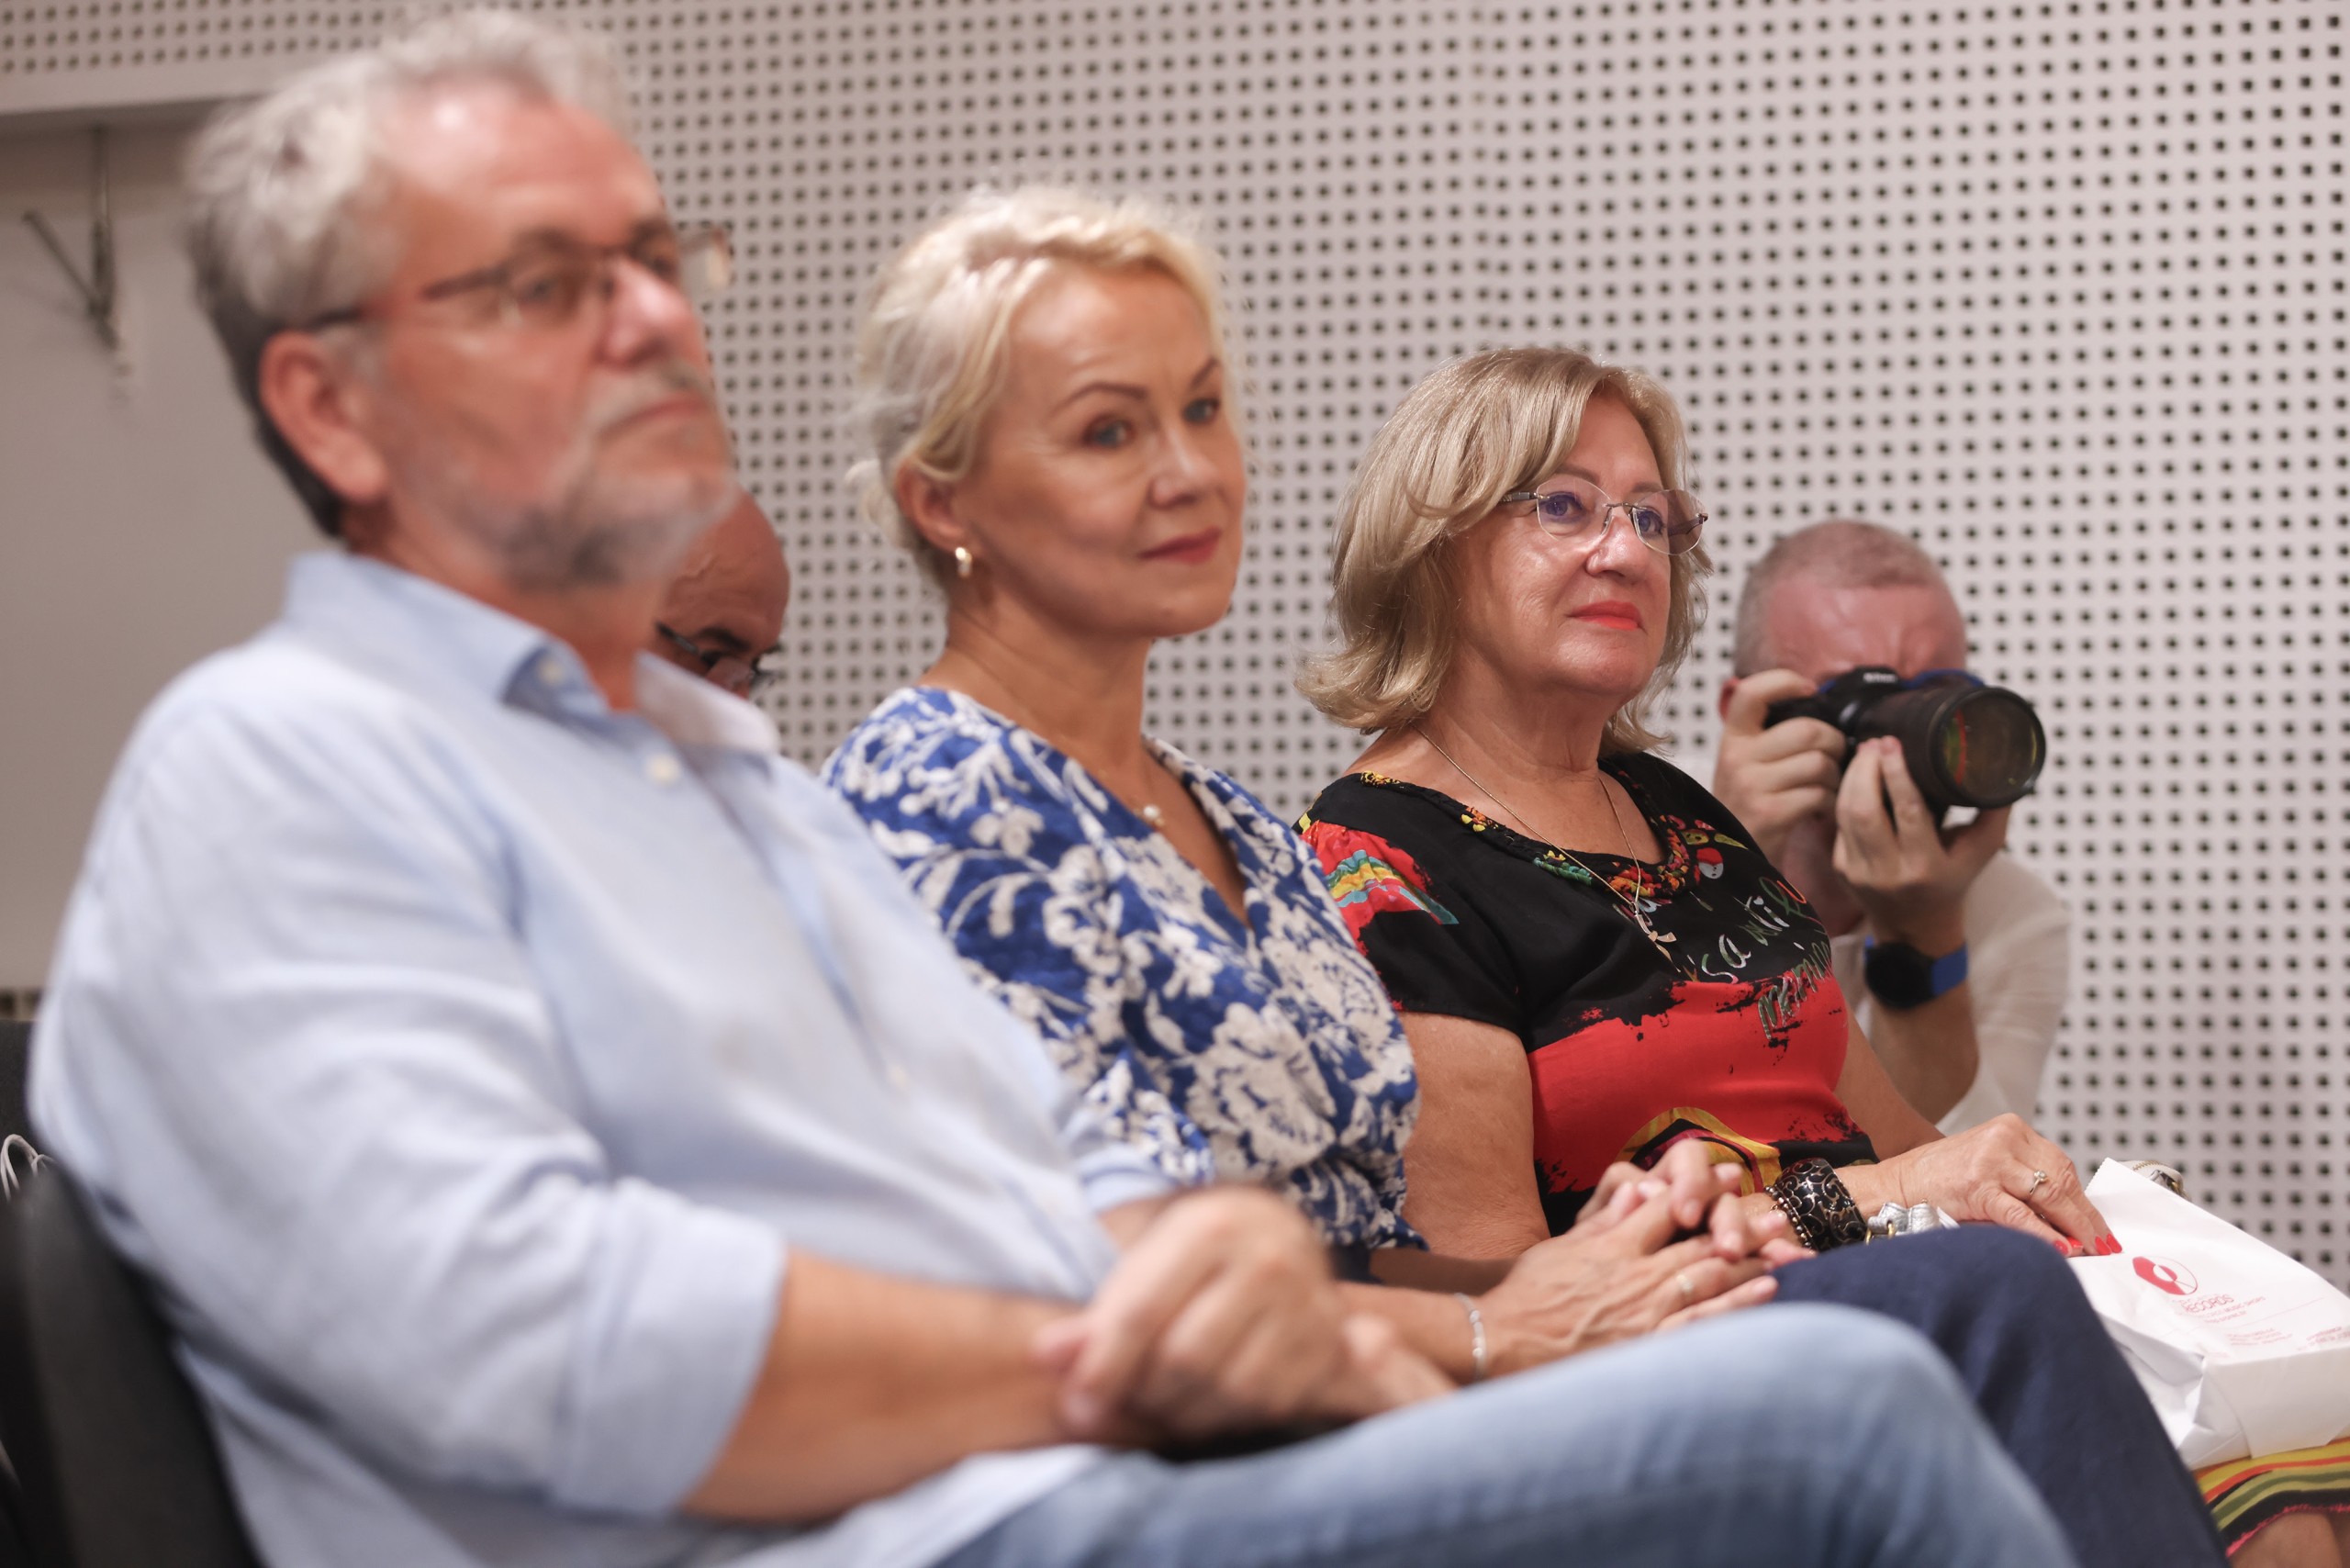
x=2069, y=1248
x=2109, y=1248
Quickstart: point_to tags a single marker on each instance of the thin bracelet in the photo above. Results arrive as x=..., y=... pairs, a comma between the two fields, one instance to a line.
x=1476, y=1336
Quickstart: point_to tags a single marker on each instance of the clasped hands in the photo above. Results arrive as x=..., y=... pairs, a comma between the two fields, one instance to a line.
x=1222, y=1317
x=1619, y=1274
x=1222, y=1314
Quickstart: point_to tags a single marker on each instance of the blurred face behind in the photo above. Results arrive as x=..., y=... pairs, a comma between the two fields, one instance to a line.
x=1820, y=632
x=583, y=452
x=1574, y=617
x=1107, y=493
x=727, y=600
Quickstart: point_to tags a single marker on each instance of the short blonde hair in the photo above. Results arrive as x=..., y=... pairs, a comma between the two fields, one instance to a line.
x=1466, y=436
x=932, y=345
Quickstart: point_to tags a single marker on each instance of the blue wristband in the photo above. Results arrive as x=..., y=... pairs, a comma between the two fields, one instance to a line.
x=1901, y=977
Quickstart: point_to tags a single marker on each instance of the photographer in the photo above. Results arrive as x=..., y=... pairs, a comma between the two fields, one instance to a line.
x=1963, y=989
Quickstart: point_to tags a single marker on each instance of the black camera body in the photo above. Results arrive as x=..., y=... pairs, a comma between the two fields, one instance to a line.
x=1967, y=744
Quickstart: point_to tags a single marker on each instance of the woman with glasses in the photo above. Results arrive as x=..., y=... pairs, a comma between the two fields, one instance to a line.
x=1050, y=436
x=1593, y=961
x=1047, y=397
x=1595, y=967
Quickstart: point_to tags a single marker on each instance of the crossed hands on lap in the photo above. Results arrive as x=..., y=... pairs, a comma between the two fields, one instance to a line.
x=1619, y=1272
x=1223, y=1314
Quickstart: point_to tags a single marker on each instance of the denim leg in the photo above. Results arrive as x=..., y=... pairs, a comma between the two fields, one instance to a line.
x=2006, y=1312
x=1807, y=1436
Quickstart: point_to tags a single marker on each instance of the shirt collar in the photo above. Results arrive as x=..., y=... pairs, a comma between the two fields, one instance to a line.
x=693, y=713
x=411, y=629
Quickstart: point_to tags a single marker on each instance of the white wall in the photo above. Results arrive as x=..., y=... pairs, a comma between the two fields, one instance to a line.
x=139, y=527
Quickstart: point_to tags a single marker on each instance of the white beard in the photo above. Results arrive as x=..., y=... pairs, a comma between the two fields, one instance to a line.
x=587, y=531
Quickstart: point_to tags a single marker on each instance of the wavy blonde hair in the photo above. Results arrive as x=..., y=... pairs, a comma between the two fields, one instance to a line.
x=932, y=347
x=1466, y=436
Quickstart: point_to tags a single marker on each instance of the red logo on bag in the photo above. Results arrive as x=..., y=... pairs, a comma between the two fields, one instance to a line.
x=2165, y=1276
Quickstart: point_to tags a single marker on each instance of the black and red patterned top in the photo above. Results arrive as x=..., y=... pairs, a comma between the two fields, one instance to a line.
x=1738, y=1041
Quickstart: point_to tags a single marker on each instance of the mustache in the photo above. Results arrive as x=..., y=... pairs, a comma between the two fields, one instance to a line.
x=655, y=384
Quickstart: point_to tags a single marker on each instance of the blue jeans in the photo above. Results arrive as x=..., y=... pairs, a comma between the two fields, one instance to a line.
x=1811, y=1437
x=2008, y=1314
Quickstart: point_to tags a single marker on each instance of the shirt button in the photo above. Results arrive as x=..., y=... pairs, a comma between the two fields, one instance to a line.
x=898, y=1077
x=551, y=671
x=662, y=768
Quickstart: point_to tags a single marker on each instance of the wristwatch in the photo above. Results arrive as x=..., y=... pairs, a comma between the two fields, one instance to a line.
x=1901, y=977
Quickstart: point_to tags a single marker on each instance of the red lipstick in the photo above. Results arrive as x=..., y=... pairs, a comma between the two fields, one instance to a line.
x=1617, y=613
x=1191, y=548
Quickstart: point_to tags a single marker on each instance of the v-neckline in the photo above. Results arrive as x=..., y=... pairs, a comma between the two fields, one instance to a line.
x=1228, y=828
x=1220, y=818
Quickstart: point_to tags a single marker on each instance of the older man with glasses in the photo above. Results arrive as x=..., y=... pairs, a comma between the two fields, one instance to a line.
x=555, y=1136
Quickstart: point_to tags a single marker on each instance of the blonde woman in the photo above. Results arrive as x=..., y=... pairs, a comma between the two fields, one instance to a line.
x=1048, y=379
x=1593, y=960
x=1049, y=405
x=1593, y=963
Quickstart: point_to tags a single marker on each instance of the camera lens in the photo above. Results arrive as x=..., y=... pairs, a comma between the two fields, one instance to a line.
x=1989, y=747
x=1965, y=743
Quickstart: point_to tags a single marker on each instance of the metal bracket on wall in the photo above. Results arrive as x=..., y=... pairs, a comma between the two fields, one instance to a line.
x=97, y=290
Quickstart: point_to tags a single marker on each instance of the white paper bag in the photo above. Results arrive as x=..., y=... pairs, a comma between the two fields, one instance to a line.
x=2244, y=1351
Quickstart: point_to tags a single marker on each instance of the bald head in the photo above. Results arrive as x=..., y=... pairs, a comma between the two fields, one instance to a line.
x=728, y=598
x=1839, y=595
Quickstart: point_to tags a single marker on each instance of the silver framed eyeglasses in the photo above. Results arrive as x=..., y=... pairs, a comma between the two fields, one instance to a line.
x=1668, y=522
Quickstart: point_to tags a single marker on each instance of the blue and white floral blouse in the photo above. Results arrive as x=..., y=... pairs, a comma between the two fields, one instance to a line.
x=1263, y=1052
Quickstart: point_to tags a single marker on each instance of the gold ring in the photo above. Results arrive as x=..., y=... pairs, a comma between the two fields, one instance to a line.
x=1689, y=1291
x=2037, y=1178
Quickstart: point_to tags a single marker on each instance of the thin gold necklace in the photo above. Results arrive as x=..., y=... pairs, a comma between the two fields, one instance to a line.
x=1660, y=940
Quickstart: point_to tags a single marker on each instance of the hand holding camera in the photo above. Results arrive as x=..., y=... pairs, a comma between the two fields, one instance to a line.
x=1907, y=872
x=1774, y=777
x=1965, y=742
x=1886, y=759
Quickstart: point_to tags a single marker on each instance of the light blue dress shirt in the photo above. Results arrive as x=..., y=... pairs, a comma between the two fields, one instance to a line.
x=464, y=1059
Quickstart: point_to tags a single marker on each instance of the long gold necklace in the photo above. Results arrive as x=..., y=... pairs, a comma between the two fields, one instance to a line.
x=1636, y=908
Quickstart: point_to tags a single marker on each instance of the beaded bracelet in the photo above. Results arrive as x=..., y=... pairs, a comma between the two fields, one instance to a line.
x=1476, y=1336
x=1818, y=1206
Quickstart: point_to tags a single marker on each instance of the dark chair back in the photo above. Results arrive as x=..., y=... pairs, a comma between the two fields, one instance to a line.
x=112, y=1453
x=16, y=1057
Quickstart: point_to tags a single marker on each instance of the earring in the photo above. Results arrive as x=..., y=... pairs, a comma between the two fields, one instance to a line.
x=964, y=561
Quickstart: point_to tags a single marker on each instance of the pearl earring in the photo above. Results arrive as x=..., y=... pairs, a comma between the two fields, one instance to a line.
x=963, y=561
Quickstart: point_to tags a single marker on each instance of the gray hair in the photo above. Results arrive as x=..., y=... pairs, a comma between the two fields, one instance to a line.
x=279, y=187
x=1840, y=554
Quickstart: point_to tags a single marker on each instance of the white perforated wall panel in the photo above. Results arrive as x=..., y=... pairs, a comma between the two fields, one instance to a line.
x=2060, y=290
x=2058, y=286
